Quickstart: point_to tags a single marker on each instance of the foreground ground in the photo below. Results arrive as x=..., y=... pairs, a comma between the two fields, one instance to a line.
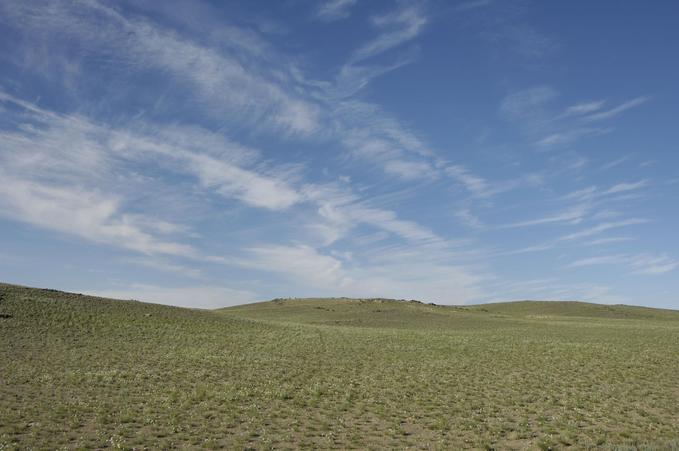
x=83, y=372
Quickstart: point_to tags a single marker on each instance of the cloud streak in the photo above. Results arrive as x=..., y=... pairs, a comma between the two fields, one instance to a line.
x=641, y=264
x=223, y=83
x=602, y=228
x=332, y=10
x=613, y=112
x=83, y=213
x=396, y=28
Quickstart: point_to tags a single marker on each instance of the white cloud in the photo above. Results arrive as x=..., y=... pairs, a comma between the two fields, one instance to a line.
x=341, y=211
x=412, y=275
x=528, y=249
x=581, y=195
x=531, y=110
x=568, y=136
x=225, y=84
x=361, y=121
x=640, y=263
x=473, y=4
x=624, y=187
x=616, y=162
x=76, y=150
x=613, y=112
x=388, y=220
x=466, y=217
x=474, y=184
x=59, y=173
x=609, y=240
x=247, y=186
x=602, y=228
x=527, y=104
x=572, y=215
x=331, y=10
x=352, y=77
x=302, y=263
x=653, y=264
x=369, y=134
x=601, y=260
x=398, y=27
x=417, y=279
x=592, y=193
x=80, y=212
x=409, y=170
x=583, y=108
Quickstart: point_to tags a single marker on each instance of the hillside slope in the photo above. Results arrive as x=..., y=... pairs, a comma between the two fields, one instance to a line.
x=577, y=310
x=84, y=372
x=414, y=314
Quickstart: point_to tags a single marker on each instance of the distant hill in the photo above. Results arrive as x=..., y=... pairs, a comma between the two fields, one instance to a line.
x=352, y=312
x=575, y=309
x=411, y=313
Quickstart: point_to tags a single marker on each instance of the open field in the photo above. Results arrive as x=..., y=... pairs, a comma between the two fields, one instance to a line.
x=84, y=372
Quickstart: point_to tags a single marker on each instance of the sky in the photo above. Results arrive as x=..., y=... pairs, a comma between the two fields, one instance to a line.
x=207, y=154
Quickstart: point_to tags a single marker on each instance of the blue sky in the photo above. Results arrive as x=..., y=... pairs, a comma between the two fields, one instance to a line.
x=210, y=154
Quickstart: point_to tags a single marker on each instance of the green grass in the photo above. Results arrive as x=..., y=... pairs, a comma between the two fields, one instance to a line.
x=79, y=372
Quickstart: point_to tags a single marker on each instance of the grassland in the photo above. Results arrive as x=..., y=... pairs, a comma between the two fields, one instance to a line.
x=84, y=372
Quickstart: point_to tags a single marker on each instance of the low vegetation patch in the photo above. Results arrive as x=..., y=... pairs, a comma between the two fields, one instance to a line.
x=79, y=372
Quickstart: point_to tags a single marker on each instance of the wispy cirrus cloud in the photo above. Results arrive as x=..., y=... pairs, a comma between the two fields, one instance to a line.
x=528, y=106
x=599, y=228
x=583, y=108
x=225, y=84
x=506, y=26
x=331, y=10
x=419, y=278
x=223, y=177
x=569, y=136
x=625, y=187
x=369, y=134
x=352, y=78
x=365, y=130
x=474, y=184
x=472, y=4
x=466, y=217
x=588, y=206
x=84, y=213
x=614, y=163
x=571, y=215
x=396, y=28
x=74, y=149
x=341, y=211
x=533, y=110
x=101, y=153
x=593, y=193
x=69, y=174
x=613, y=112
x=608, y=240
x=645, y=264
x=301, y=262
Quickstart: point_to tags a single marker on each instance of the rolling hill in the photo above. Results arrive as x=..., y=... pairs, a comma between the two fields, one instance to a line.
x=84, y=372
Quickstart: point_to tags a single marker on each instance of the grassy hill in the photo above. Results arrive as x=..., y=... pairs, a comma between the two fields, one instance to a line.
x=84, y=372
x=577, y=310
